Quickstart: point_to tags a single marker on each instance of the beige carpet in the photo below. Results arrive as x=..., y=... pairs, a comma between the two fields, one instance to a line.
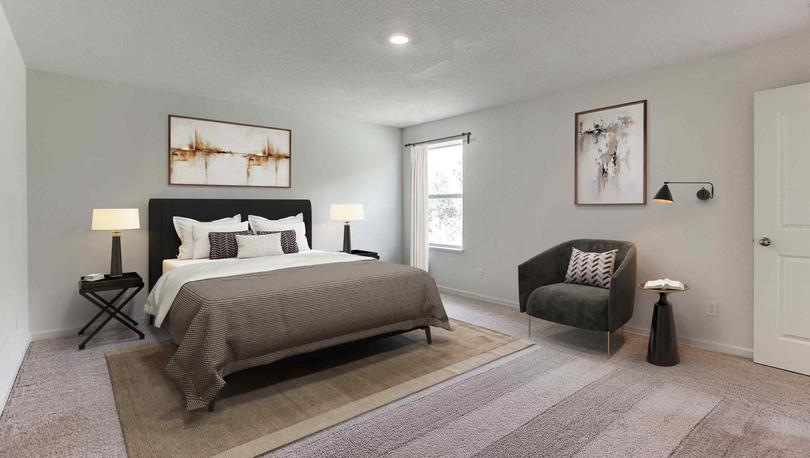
x=62, y=402
x=563, y=398
x=268, y=407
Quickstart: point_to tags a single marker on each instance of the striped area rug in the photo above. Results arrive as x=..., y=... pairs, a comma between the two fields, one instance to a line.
x=556, y=400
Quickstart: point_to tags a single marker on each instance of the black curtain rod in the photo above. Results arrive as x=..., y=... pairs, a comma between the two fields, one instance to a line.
x=463, y=134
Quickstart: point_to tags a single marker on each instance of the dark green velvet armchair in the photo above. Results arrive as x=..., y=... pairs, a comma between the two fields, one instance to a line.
x=543, y=293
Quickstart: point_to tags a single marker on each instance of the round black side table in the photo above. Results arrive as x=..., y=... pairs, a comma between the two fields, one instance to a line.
x=662, y=349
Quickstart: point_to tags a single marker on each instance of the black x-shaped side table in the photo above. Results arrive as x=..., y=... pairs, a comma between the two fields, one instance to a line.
x=90, y=289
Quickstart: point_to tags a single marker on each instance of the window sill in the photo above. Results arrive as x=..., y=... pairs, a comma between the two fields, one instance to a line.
x=450, y=249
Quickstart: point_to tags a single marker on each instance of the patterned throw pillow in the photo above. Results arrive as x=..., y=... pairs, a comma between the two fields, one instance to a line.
x=288, y=241
x=223, y=244
x=594, y=269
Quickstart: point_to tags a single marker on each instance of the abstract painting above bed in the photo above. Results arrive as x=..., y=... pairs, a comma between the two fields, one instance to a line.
x=207, y=152
x=610, y=155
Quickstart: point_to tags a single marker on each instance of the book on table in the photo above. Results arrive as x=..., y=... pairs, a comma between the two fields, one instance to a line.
x=664, y=283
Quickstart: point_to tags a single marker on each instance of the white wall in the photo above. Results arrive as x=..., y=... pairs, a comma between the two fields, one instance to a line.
x=519, y=186
x=14, y=336
x=97, y=144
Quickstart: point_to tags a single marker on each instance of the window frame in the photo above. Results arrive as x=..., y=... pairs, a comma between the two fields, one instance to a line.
x=437, y=146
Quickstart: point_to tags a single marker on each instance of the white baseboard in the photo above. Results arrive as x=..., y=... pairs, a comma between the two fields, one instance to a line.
x=480, y=297
x=15, y=348
x=72, y=331
x=704, y=344
x=699, y=343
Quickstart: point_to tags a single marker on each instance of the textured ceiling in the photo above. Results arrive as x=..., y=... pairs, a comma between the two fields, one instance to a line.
x=332, y=56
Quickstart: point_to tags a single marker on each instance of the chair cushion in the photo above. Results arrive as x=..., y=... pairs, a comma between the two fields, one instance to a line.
x=571, y=304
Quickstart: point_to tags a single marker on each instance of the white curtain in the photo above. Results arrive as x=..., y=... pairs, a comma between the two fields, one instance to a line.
x=419, y=206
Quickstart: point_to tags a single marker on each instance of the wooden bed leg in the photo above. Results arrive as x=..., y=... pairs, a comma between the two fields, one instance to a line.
x=427, y=335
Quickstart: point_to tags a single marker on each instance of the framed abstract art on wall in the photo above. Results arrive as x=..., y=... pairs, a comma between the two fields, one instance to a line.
x=219, y=153
x=610, y=155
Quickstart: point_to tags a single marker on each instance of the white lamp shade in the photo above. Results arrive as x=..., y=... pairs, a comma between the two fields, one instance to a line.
x=115, y=219
x=346, y=212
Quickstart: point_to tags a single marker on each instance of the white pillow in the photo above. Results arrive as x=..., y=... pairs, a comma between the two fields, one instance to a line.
x=290, y=223
x=253, y=246
x=183, y=228
x=202, y=246
x=290, y=219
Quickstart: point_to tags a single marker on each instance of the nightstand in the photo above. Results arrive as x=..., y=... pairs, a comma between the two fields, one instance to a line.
x=368, y=254
x=90, y=289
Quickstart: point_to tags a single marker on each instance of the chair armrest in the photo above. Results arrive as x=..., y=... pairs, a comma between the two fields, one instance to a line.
x=543, y=269
x=622, y=292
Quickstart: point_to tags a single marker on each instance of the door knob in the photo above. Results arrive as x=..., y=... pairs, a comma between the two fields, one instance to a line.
x=765, y=241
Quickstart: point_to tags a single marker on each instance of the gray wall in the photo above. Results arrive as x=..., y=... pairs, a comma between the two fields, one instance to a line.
x=14, y=335
x=97, y=144
x=519, y=186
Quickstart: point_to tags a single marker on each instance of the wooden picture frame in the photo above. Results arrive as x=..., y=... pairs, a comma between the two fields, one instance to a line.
x=209, y=152
x=610, y=155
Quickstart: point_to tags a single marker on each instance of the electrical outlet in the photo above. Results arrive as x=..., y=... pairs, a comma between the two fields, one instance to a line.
x=712, y=308
x=479, y=273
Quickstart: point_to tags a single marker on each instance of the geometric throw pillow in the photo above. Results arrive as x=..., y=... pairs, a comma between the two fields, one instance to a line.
x=289, y=243
x=594, y=269
x=223, y=244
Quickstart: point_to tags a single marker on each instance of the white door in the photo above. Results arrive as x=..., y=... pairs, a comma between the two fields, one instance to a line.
x=782, y=228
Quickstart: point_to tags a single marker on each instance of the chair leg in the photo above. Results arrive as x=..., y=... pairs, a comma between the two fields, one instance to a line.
x=608, y=339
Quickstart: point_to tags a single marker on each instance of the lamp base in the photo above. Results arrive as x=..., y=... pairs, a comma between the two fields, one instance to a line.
x=347, y=238
x=115, y=257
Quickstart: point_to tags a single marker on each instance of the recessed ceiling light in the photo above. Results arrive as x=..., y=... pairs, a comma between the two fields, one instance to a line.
x=399, y=39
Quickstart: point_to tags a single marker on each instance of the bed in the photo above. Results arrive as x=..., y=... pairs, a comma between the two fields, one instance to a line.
x=233, y=314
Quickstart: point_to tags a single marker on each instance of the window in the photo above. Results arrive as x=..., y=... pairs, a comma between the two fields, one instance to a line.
x=445, y=194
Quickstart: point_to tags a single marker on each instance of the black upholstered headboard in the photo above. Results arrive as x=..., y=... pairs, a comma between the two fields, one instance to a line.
x=163, y=240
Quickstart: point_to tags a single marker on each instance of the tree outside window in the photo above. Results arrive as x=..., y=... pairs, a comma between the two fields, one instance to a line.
x=446, y=194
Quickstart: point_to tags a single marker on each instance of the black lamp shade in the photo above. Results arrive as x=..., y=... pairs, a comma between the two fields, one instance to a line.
x=663, y=195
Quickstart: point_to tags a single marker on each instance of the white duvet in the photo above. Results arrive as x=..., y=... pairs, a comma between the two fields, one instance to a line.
x=169, y=284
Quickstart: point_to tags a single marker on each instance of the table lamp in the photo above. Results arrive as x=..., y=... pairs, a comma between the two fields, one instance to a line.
x=346, y=213
x=115, y=220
